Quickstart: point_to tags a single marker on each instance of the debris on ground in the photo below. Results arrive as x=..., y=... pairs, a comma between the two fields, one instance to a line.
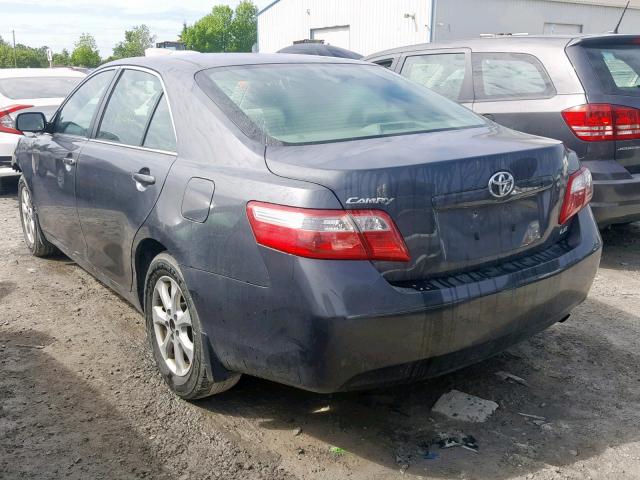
x=468, y=442
x=464, y=407
x=337, y=451
x=504, y=376
x=533, y=417
x=296, y=431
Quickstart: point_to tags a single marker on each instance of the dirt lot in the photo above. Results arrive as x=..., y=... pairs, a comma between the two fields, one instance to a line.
x=80, y=397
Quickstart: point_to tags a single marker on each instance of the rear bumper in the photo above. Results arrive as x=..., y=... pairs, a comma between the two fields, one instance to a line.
x=330, y=326
x=616, y=193
x=616, y=201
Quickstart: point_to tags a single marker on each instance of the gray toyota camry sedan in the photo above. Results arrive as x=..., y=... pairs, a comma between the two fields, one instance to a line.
x=319, y=222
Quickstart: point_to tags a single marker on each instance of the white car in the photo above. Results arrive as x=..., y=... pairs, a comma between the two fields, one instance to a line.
x=24, y=88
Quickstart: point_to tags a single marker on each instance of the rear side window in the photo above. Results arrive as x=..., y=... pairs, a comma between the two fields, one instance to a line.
x=617, y=67
x=442, y=73
x=130, y=106
x=160, y=135
x=510, y=76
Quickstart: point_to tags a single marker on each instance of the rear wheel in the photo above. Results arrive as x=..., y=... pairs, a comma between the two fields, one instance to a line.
x=174, y=332
x=36, y=242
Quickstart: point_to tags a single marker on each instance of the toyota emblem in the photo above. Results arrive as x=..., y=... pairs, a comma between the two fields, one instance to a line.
x=501, y=184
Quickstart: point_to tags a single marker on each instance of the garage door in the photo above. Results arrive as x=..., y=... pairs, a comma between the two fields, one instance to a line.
x=338, y=36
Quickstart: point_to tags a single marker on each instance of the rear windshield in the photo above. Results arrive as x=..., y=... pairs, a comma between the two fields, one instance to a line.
x=617, y=67
x=313, y=103
x=37, y=87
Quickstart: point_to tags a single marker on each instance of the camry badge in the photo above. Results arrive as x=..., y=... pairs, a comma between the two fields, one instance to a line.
x=501, y=184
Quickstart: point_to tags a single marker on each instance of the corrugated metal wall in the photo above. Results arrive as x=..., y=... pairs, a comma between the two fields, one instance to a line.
x=455, y=19
x=374, y=25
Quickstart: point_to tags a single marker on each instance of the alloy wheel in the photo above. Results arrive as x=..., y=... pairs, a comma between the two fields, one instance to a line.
x=28, y=219
x=172, y=326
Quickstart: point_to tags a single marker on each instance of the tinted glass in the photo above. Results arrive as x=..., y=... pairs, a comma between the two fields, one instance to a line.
x=308, y=103
x=130, y=106
x=160, y=134
x=385, y=63
x=76, y=115
x=510, y=76
x=37, y=87
x=618, y=68
x=442, y=73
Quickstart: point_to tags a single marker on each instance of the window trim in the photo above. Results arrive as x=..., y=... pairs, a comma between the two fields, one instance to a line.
x=478, y=83
x=54, y=119
x=105, y=102
x=467, y=93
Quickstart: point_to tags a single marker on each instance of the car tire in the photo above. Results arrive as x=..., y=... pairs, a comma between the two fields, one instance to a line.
x=175, y=333
x=35, y=240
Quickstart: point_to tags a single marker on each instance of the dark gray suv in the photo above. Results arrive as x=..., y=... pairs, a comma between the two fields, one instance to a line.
x=316, y=221
x=582, y=90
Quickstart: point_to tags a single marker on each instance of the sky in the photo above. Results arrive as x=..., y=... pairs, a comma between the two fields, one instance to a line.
x=59, y=23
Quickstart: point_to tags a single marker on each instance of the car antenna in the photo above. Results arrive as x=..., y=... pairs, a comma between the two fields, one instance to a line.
x=615, y=30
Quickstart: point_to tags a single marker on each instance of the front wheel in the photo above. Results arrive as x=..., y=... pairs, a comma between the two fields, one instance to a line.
x=175, y=334
x=36, y=242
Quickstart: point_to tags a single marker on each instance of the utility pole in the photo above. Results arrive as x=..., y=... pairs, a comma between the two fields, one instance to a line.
x=15, y=57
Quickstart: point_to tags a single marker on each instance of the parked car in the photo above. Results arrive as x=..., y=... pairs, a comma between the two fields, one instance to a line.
x=321, y=49
x=583, y=90
x=24, y=89
x=315, y=221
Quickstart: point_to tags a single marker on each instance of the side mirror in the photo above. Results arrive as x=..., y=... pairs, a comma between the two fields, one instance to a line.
x=34, y=122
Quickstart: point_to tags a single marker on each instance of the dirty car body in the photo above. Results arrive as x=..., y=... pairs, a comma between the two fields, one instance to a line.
x=338, y=227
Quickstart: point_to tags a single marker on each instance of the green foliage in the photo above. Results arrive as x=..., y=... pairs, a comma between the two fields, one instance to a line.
x=62, y=59
x=224, y=30
x=135, y=42
x=86, y=52
x=24, y=56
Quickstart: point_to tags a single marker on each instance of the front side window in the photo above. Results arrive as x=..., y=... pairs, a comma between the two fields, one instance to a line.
x=311, y=103
x=442, y=73
x=160, y=135
x=77, y=113
x=510, y=76
x=130, y=107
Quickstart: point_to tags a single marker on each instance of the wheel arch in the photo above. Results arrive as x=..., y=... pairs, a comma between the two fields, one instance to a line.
x=146, y=251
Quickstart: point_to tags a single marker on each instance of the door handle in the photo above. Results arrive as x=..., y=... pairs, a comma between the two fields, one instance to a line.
x=144, y=178
x=69, y=161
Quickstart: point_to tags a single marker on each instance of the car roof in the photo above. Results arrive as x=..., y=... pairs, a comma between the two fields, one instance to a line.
x=505, y=41
x=201, y=61
x=40, y=72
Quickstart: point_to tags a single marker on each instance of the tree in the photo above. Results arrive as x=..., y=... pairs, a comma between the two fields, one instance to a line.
x=86, y=52
x=24, y=56
x=224, y=30
x=62, y=59
x=135, y=42
x=244, y=28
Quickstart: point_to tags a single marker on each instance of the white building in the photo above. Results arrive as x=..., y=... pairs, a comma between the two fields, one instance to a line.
x=368, y=26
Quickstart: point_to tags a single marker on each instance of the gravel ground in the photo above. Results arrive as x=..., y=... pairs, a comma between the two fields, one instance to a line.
x=80, y=396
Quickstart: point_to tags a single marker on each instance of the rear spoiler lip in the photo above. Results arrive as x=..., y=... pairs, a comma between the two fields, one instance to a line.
x=605, y=40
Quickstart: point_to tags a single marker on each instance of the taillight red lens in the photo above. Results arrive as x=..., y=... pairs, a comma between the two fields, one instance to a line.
x=327, y=234
x=578, y=194
x=596, y=122
x=7, y=123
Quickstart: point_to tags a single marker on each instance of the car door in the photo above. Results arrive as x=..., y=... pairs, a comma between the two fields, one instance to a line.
x=515, y=90
x=122, y=169
x=447, y=72
x=54, y=155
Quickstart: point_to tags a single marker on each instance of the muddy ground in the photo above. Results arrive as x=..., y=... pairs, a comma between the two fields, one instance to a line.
x=80, y=397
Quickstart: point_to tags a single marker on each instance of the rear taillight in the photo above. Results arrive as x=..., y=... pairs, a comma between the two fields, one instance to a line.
x=578, y=194
x=7, y=122
x=596, y=122
x=327, y=234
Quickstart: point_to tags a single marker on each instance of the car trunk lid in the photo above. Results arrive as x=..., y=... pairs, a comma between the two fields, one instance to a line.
x=435, y=187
